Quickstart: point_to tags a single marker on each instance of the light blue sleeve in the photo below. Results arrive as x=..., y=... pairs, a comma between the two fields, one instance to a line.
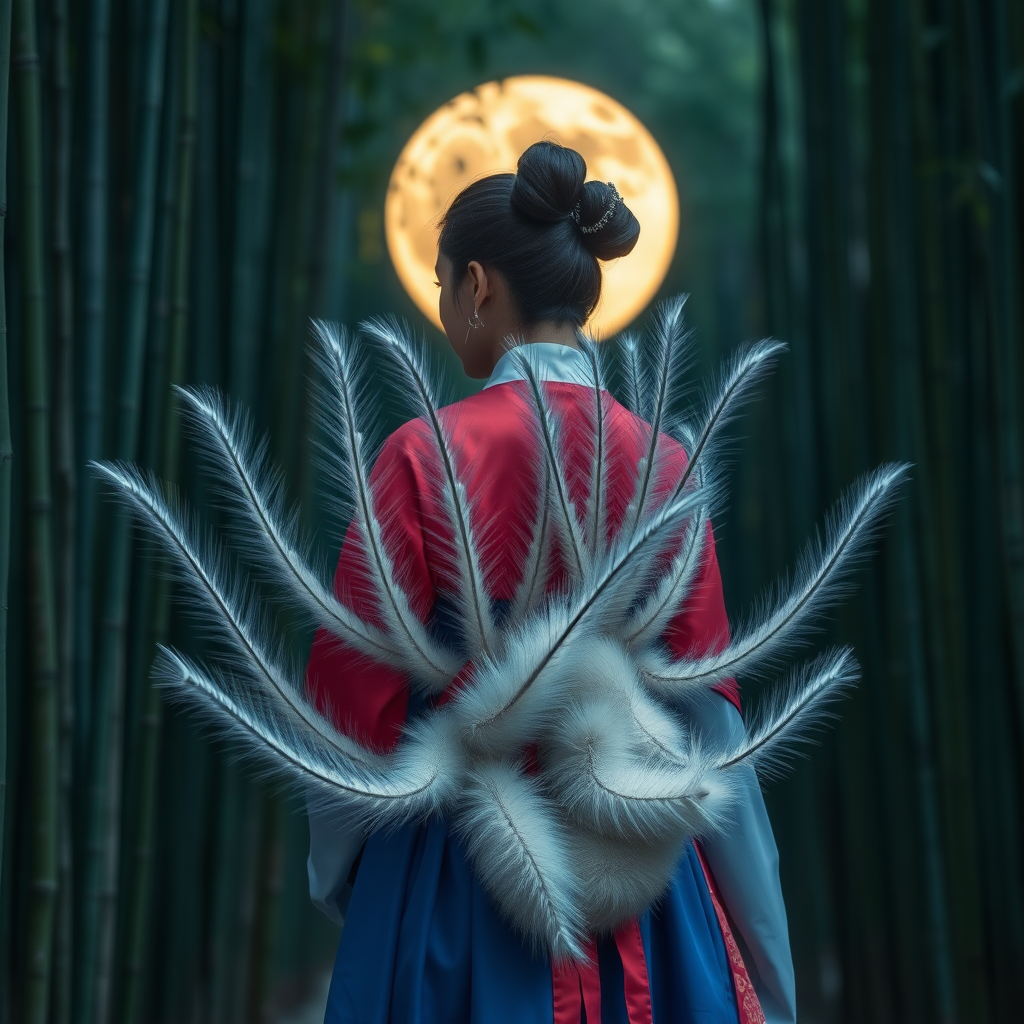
x=745, y=862
x=333, y=848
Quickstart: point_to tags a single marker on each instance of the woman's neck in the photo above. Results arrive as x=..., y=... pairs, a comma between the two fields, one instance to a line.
x=547, y=331
x=556, y=333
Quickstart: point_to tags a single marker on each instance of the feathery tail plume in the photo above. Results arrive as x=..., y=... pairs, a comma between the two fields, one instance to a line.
x=436, y=666
x=742, y=375
x=670, y=341
x=793, y=710
x=538, y=555
x=649, y=621
x=477, y=617
x=569, y=528
x=821, y=578
x=608, y=784
x=632, y=373
x=596, y=504
x=231, y=449
x=201, y=569
x=411, y=785
x=516, y=844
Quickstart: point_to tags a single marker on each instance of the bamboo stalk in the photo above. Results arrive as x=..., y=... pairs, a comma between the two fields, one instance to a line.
x=213, y=926
x=259, y=1005
x=6, y=442
x=951, y=708
x=325, y=185
x=773, y=228
x=148, y=566
x=66, y=487
x=91, y=336
x=956, y=700
x=237, y=798
x=226, y=893
x=40, y=581
x=899, y=706
x=896, y=339
x=991, y=135
x=189, y=927
x=138, y=937
x=142, y=722
x=239, y=824
x=184, y=835
x=809, y=927
x=103, y=823
x=994, y=724
x=996, y=142
x=290, y=406
x=250, y=204
x=839, y=388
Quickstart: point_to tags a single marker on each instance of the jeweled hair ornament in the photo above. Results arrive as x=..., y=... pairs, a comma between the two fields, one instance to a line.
x=590, y=229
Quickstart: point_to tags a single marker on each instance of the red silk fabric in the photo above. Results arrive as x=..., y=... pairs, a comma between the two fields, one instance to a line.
x=578, y=985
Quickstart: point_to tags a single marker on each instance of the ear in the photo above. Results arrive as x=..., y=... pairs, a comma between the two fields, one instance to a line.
x=480, y=283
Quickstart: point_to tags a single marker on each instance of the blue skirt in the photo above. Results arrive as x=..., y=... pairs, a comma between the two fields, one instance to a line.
x=423, y=944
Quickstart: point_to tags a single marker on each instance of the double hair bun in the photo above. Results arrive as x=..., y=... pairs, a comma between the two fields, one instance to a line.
x=550, y=185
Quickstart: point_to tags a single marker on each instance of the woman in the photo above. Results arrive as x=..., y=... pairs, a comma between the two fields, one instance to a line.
x=423, y=942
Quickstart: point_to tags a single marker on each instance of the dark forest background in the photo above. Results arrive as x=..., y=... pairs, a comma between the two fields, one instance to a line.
x=186, y=183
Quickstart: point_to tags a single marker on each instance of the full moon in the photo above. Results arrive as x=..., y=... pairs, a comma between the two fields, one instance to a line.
x=484, y=132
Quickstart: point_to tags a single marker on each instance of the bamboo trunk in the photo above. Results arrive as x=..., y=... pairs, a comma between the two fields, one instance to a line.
x=137, y=942
x=66, y=487
x=6, y=443
x=91, y=334
x=994, y=139
x=251, y=172
x=148, y=566
x=773, y=227
x=214, y=926
x=896, y=347
x=325, y=184
x=990, y=135
x=290, y=407
x=102, y=851
x=250, y=163
x=40, y=582
x=839, y=387
x=259, y=1006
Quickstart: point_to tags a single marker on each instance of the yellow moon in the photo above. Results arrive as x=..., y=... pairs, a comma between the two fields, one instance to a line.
x=484, y=132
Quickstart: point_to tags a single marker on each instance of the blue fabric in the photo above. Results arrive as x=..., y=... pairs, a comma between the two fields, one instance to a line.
x=423, y=944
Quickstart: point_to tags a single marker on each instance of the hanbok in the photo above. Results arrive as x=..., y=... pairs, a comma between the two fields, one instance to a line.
x=422, y=942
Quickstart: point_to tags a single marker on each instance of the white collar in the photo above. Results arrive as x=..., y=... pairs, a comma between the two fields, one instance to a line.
x=550, y=361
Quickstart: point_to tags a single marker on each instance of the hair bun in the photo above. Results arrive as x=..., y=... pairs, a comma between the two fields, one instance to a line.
x=550, y=185
x=548, y=182
x=618, y=234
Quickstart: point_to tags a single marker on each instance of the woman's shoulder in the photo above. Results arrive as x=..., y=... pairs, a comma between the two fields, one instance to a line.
x=487, y=416
x=499, y=422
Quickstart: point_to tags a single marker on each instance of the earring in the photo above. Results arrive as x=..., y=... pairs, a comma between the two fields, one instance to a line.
x=474, y=321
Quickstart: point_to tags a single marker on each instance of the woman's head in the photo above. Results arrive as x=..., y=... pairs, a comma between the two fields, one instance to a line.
x=528, y=233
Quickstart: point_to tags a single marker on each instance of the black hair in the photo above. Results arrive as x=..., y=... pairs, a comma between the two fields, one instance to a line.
x=529, y=227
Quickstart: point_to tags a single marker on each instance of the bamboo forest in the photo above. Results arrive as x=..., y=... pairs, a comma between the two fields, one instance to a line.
x=186, y=184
